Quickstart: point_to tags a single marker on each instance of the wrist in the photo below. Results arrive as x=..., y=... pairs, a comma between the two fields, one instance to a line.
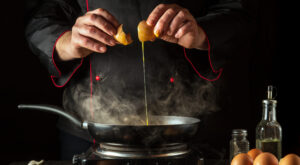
x=63, y=47
x=202, y=43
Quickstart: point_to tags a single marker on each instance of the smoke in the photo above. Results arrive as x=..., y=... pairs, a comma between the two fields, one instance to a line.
x=181, y=99
x=117, y=104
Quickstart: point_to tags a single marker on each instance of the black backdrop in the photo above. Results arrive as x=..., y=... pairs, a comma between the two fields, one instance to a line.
x=33, y=135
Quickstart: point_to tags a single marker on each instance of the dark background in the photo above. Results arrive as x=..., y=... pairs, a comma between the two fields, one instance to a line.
x=33, y=135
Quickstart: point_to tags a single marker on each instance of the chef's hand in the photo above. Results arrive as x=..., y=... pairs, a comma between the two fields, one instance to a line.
x=92, y=32
x=175, y=24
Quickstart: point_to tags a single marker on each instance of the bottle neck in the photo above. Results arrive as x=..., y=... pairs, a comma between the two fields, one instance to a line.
x=269, y=112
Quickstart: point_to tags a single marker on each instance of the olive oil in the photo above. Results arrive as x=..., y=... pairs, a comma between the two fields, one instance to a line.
x=270, y=145
x=145, y=88
x=268, y=130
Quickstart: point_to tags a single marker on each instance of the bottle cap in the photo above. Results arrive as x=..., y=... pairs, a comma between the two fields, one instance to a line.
x=269, y=102
x=270, y=92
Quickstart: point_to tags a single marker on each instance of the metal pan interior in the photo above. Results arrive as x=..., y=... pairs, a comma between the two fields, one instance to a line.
x=161, y=121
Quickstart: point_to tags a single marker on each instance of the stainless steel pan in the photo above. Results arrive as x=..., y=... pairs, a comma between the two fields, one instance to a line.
x=167, y=129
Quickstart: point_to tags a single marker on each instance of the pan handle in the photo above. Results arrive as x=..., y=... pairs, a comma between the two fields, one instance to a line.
x=52, y=109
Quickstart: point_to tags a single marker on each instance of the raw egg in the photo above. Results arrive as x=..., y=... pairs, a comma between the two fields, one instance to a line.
x=242, y=159
x=145, y=32
x=254, y=153
x=290, y=159
x=122, y=37
x=265, y=158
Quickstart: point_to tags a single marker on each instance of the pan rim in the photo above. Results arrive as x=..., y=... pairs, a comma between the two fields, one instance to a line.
x=191, y=121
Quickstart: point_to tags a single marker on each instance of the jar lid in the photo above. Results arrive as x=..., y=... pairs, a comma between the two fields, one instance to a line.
x=239, y=131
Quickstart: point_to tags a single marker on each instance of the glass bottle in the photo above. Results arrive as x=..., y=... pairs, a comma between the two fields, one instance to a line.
x=238, y=143
x=268, y=130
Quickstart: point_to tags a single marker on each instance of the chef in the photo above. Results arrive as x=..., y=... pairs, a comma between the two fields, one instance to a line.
x=74, y=41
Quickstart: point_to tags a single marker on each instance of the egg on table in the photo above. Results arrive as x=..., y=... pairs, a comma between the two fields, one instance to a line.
x=242, y=159
x=254, y=153
x=265, y=158
x=290, y=159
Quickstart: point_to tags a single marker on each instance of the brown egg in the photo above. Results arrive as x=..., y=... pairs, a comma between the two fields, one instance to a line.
x=290, y=159
x=254, y=153
x=145, y=32
x=242, y=159
x=265, y=158
x=122, y=37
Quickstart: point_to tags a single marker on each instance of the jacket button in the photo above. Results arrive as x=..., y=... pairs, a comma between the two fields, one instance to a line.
x=171, y=79
x=97, y=78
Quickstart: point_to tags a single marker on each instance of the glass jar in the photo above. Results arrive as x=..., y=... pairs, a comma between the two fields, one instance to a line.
x=239, y=143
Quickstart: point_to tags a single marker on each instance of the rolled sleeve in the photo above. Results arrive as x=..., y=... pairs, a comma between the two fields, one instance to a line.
x=47, y=24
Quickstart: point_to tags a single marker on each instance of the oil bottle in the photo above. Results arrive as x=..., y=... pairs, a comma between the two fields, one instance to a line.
x=268, y=130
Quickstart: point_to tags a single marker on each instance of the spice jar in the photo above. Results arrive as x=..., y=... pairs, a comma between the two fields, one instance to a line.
x=238, y=143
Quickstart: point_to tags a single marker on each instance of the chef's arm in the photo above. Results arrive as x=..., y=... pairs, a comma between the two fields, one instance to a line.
x=229, y=27
x=219, y=26
x=227, y=24
x=53, y=19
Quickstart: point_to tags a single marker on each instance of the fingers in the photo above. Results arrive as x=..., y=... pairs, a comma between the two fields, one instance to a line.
x=90, y=33
x=186, y=28
x=94, y=31
x=169, y=39
x=164, y=21
x=168, y=18
x=157, y=12
x=100, y=23
x=177, y=22
x=90, y=44
x=106, y=15
x=96, y=34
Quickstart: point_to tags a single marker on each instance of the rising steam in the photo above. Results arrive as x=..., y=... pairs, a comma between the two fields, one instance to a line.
x=119, y=106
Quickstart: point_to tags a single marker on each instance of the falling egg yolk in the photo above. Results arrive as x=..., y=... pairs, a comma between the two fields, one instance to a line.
x=145, y=32
x=122, y=37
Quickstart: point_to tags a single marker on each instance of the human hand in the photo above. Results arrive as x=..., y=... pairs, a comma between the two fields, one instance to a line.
x=91, y=32
x=175, y=24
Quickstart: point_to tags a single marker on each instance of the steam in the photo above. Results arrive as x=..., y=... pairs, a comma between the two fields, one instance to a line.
x=194, y=99
x=117, y=105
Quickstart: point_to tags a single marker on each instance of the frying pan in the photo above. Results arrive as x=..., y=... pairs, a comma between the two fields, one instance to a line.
x=167, y=129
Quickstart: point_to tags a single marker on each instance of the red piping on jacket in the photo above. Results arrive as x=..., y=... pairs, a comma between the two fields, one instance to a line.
x=215, y=71
x=59, y=72
x=91, y=78
x=87, y=5
x=91, y=75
